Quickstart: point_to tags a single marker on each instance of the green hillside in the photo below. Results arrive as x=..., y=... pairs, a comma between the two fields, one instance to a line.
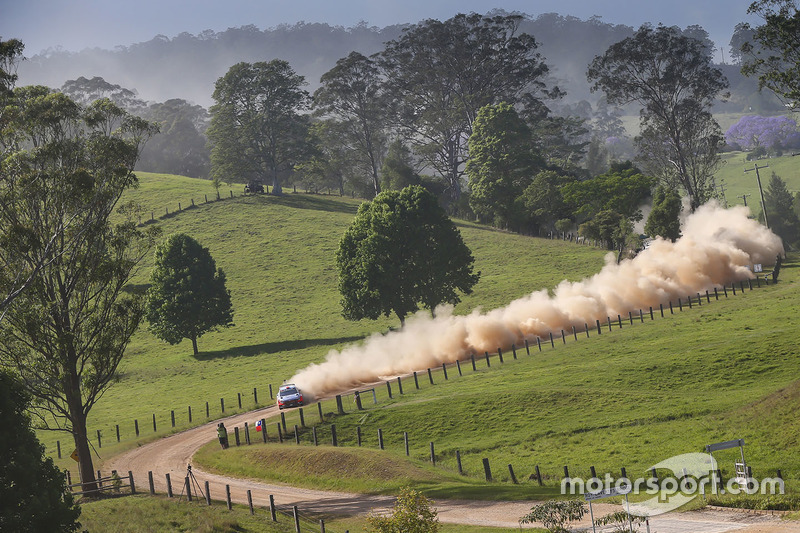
x=737, y=182
x=628, y=398
x=278, y=254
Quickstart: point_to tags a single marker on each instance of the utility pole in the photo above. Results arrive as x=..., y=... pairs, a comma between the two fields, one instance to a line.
x=721, y=188
x=744, y=198
x=760, y=190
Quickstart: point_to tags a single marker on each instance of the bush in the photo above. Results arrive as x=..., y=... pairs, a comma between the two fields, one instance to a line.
x=555, y=514
x=411, y=513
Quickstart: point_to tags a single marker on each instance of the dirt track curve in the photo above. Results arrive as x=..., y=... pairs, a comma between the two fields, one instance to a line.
x=172, y=455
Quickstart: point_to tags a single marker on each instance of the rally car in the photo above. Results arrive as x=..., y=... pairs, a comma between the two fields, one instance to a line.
x=289, y=396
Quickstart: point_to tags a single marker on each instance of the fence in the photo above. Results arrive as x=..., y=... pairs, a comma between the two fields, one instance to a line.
x=192, y=491
x=322, y=432
x=133, y=429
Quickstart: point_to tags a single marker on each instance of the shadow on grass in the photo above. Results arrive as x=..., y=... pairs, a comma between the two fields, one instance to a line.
x=271, y=347
x=315, y=202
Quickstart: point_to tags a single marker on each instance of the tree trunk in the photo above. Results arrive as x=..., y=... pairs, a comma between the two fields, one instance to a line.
x=194, y=345
x=402, y=319
x=85, y=465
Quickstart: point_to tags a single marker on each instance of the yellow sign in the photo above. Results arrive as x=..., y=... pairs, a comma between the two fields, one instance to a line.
x=74, y=455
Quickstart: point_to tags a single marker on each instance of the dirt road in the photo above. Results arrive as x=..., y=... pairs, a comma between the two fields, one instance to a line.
x=172, y=455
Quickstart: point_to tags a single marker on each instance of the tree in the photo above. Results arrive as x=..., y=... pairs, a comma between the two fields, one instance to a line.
x=439, y=74
x=671, y=77
x=664, y=219
x=411, y=513
x=66, y=333
x=187, y=295
x=623, y=189
x=352, y=92
x=257, y=131
x=543, y=199
x=773, y=133
x=85, y=91
x=742, y=34
x=32, y=489
x=501, y=164
x=402, y=251
x=397, y=171
x=10, y=56
x=779, y=204
x=181, y=145
x=774, y=53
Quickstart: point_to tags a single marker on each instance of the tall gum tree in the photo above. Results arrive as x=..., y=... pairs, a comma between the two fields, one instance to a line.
x=257, y=129
x=352, y=93
x=440, y=74
x=63, y=171
x=671, y=76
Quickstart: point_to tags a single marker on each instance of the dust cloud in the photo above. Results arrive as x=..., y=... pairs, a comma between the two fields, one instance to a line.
x=717, y=247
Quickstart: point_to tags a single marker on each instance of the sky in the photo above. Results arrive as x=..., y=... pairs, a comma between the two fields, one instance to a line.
x=77, y=24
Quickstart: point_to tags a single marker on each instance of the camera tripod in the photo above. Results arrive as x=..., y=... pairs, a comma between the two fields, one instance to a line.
x=191, y=481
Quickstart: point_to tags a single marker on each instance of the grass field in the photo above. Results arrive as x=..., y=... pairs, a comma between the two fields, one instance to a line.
x=278, y=254
x=631, y=398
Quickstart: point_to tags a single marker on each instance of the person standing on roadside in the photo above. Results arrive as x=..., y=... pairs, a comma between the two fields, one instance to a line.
x=222, y=433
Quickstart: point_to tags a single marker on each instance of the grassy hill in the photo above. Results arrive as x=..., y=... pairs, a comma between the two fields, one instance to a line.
x=737, y=182
x=628, y=398
x=278, y=254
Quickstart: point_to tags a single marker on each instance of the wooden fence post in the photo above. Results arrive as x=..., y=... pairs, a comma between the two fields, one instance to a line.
x=208, y=493
x=430, y=376
x=399, y=385
x=433, y=455
x=150, y=481
x=169, y=485
x=228, y=497
x=380, y=438
x=486, y=469
x=538, y=475
x=511, y=473
x=272, y=508
x=488, y=363
x=296, y=516
x=458, y=462
x=154, y=422
x=250, y=502
x=500, y=354
x=405, y=442
x=334, y=441
x=416, y=381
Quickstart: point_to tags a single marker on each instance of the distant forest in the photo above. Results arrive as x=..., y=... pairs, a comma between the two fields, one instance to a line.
x=186, y=66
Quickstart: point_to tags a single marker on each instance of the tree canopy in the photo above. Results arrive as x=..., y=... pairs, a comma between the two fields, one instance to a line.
x=439, y=74
x=670, y=75
x=187, y=295
x=400, y=252
x=780, y=207
x=502, y=162
x=64, y=169
x=32, y=489
x=257, y=130
x=664, y=218
x=774, y=53
x=352, y=93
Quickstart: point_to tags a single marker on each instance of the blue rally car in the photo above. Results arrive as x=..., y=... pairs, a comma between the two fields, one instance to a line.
x=289, y=396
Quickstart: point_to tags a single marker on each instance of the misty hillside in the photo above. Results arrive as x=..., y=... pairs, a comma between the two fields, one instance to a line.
x=186, y=66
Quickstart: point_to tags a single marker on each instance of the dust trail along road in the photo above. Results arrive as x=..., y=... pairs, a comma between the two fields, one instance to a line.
x=172, y=455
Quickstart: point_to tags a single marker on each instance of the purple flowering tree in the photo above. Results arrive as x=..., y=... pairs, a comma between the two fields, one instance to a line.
x=771, y=133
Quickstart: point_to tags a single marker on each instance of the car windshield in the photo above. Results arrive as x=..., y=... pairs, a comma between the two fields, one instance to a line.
x=287, y=392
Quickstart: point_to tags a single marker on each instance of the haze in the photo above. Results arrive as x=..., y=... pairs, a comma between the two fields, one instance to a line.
x=79, y=24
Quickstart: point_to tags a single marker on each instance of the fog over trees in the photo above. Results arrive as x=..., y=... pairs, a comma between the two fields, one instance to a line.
x=186, y=66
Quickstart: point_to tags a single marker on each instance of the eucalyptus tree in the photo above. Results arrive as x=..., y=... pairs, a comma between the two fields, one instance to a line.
x=671, y=76
x=352, y=93
x=257, y=127
x=63, y=171
x=439, y=74
x=774, y=53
